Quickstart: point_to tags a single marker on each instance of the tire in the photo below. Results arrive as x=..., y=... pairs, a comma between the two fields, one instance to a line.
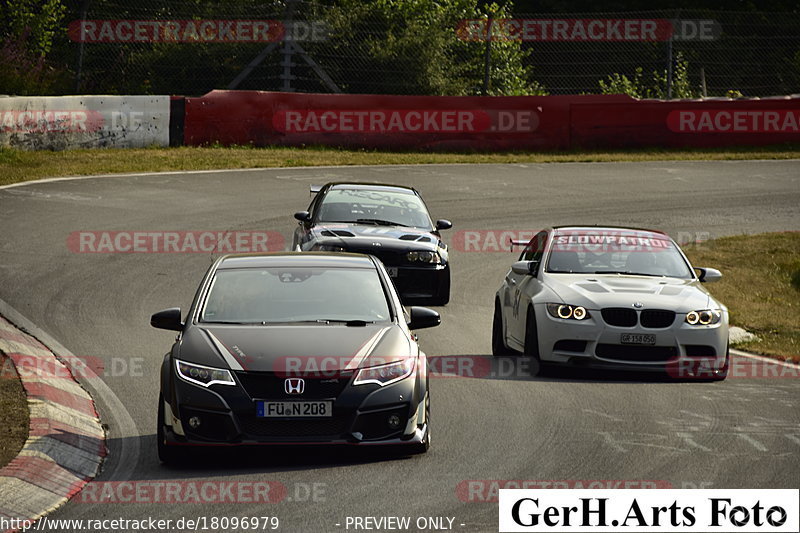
x=166, y=454
x=425, y=445
x=499, y=348
x=532, y=342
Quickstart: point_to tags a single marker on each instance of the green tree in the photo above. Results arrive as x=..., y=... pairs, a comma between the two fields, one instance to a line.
x=412, y=47
x=27, y=32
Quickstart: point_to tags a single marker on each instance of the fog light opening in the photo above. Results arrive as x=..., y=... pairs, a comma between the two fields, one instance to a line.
x=393, y=421
x=194, y=422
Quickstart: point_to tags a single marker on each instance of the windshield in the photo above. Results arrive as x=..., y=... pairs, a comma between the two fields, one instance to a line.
x=616, y=252
x=374, y=207
x=280, y=295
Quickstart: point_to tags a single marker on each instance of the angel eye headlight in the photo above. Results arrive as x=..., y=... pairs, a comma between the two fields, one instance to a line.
x=424, y=257
x=703, y=317
x=567, y=312
x=203, y=375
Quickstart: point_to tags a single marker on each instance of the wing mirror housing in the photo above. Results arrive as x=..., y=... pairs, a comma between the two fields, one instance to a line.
x=168, y=319
x=422, y=317
x=707, y=275
x=525, y=268
x=302, y=216
x=443, y=224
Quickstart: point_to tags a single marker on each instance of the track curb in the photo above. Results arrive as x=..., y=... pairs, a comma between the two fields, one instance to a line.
x=66, y=443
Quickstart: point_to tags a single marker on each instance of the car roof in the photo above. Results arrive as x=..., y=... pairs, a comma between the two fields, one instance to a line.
x=558, y=230
x=372, y=187
x=296, y=259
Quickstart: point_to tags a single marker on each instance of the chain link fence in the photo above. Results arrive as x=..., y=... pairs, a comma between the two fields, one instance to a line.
x=191, y=47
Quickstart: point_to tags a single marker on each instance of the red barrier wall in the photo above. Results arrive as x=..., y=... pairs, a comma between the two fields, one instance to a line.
x=378, y=121
x=481, y=123
x=685, y=123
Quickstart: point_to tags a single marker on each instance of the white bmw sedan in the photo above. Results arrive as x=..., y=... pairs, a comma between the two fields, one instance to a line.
x=611, y=297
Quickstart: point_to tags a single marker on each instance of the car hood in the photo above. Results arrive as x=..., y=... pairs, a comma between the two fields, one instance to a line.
x=599, y=291
x=278, y=348
x=358, y=236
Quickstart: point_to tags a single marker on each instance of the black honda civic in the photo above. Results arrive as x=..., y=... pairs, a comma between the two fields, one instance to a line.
x=390, y=222
x=294, y=348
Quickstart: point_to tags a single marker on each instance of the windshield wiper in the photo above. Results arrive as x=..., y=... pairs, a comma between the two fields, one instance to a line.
x=233, y=322
x=351, y=323
x=627, y=272
x=380, y=222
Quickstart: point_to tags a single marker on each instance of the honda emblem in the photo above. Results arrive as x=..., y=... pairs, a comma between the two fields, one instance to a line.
x=294, y=386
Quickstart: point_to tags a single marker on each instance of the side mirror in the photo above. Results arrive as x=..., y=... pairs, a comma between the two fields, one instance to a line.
x=168, y=319
x=707, y=275
x=525, y=268
x=443, y=224
x=302, y=216
x=422, y=317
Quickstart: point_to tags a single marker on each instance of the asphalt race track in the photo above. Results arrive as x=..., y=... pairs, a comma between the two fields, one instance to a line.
x=496, y=424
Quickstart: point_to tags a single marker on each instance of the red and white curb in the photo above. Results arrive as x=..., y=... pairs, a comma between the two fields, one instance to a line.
x=66, y=443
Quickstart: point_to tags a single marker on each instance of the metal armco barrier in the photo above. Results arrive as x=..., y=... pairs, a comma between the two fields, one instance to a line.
x=61, y=122
x=486, y=123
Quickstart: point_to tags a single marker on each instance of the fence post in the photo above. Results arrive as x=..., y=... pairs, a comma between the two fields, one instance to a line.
x=79, y=66
x=487, y=56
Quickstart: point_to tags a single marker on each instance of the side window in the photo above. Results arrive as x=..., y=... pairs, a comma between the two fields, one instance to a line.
x=535, y=249
x=312, y=207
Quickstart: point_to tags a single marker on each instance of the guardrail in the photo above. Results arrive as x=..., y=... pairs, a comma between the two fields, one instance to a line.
x=396, y=122
x=486, y=123
x=61, y=122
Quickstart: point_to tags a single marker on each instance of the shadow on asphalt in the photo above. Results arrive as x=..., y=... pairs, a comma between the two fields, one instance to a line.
x=521, y=368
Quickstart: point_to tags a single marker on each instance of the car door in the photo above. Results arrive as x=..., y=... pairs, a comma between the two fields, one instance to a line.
x=523, y=287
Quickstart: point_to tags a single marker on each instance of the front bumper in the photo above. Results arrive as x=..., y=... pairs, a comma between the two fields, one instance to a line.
x=591, y=342
x=419, y=282
x=227, y=417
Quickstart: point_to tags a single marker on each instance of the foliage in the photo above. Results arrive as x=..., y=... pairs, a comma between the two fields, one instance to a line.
x=27, y=32
x=411, y=46
x=656, y=87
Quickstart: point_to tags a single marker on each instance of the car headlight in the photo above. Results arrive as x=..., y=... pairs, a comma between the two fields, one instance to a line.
x=703, y=317
x=327, y=248
x=568, y=312
x=385, y=374
x=205, y=376
x=424, y=257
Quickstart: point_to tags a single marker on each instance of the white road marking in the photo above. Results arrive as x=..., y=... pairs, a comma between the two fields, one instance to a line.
x=606, y=415
x=694, y=444
x=757, y=445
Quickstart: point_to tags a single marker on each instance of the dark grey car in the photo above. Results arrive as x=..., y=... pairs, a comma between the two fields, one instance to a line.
x=294, y=348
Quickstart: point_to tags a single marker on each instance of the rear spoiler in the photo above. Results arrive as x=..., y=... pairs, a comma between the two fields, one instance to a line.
x=516, y=242
x=314, y=189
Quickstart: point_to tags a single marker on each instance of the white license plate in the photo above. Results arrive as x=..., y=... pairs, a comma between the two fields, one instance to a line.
x=637, y=338
x=305, y=409
x=392, y=271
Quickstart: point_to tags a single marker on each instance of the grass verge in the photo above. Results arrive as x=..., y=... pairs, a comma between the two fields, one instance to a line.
x=18, y=165
x=760, y=286
x=14, y=411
